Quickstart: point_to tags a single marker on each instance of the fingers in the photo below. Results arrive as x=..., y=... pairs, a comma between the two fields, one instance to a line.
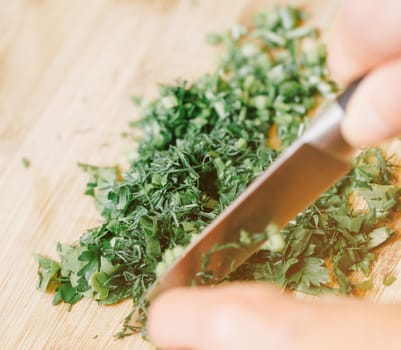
x=256, y=316
x=374, y=113
x=227, y=317
x=367, y=33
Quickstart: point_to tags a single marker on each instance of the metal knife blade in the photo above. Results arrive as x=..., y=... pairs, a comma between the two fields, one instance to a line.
x=303, y=172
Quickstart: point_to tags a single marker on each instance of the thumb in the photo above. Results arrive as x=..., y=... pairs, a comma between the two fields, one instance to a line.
x=374, y=112
x=257, y=316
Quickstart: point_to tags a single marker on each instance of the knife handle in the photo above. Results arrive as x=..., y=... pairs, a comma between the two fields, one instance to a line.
x=344, y=98
x=325, y=133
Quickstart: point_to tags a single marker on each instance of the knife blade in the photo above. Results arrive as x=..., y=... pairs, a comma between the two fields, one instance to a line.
x=299, y=176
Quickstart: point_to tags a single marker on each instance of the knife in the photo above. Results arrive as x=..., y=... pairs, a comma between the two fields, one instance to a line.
x=313, y=163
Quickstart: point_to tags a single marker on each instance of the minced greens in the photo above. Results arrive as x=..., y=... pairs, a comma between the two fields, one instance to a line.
x=202, y=144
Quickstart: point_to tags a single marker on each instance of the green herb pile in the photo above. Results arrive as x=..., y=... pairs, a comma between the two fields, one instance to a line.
x=202, y=144
x=330, y=233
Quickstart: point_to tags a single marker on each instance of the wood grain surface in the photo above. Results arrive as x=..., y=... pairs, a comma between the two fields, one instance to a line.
x=67, y=69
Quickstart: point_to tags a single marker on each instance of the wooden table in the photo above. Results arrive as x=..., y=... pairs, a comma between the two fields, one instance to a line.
x=67, y=69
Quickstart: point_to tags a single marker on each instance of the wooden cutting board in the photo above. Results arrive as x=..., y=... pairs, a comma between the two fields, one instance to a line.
x=67, y=69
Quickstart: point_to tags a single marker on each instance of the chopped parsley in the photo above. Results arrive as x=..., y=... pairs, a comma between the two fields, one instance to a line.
x=202, y=144
x=26, y=162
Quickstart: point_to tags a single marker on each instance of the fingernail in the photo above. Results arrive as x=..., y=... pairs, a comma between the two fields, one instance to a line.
x=364, y=127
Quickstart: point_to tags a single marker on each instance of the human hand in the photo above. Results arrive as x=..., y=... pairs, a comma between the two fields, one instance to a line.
x=367, y=38
x=241, y=316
